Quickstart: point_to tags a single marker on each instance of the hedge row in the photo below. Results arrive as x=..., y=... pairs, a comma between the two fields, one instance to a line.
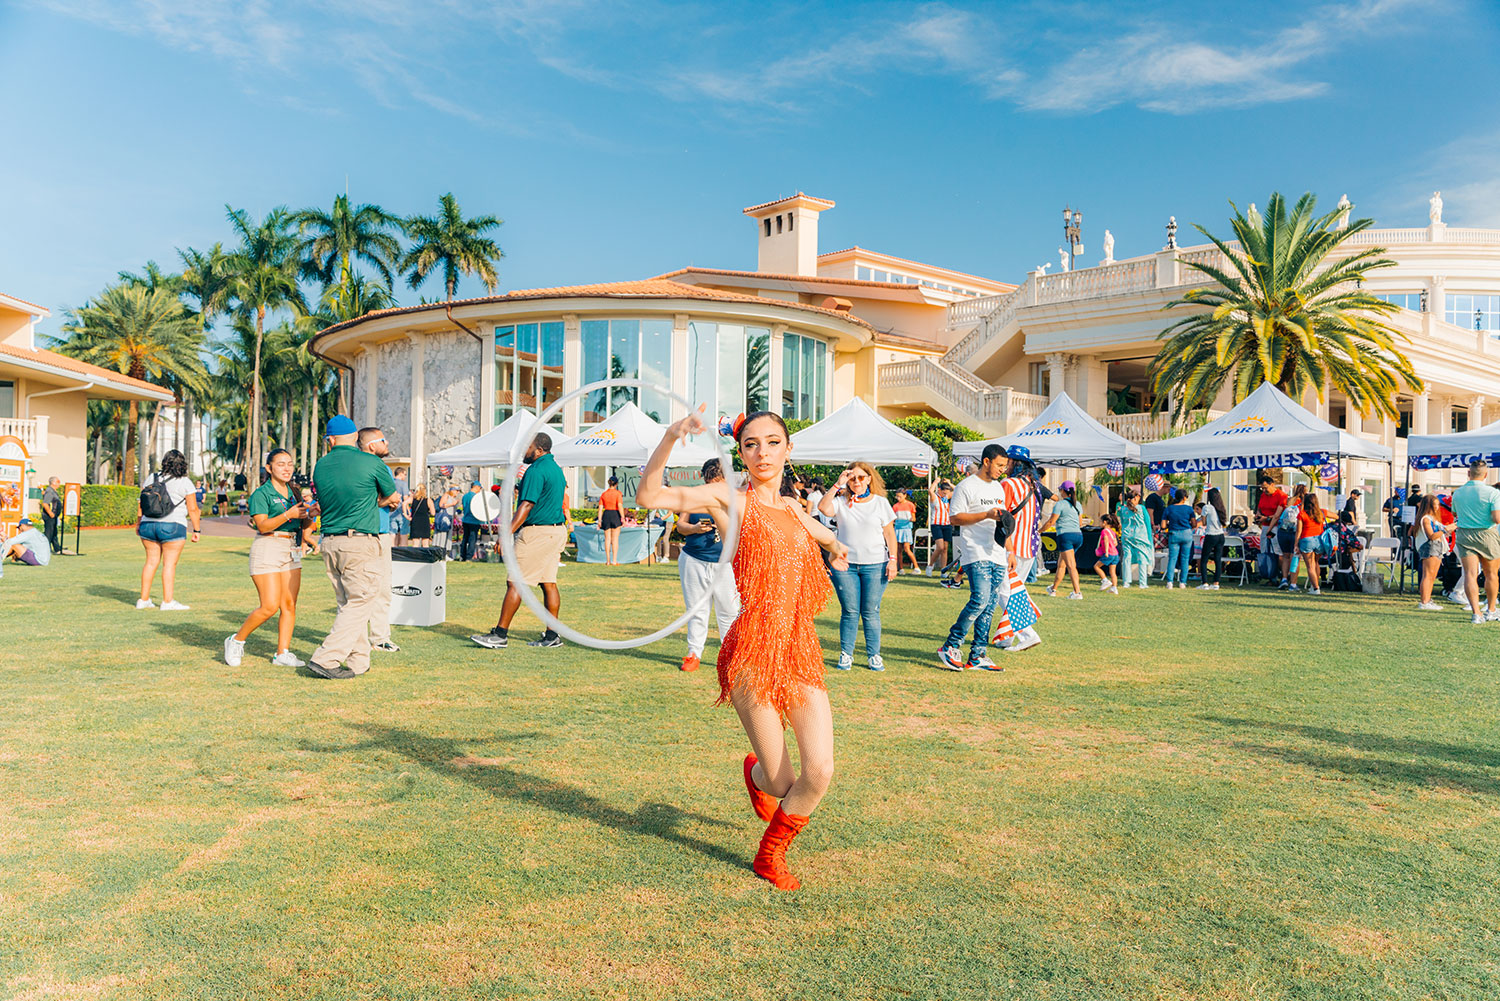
x=108, y=505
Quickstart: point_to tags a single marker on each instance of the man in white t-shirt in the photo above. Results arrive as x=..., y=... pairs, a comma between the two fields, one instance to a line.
x=975, y=506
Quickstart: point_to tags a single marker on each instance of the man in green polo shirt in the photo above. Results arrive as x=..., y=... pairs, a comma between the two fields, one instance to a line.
x=1476, y=511
x=541, y=533
x=351, y=485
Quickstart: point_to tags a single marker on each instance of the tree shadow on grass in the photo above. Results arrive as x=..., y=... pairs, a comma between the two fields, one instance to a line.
x=1483, y=757
x=450, y=758
x=1379, y=769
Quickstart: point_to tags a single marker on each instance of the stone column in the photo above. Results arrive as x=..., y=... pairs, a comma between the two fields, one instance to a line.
x=487, y=379
x=1421, y=405
x=1437, y=304
x=1476, y=413
x=572, y=370
x=418, y=471
x=1058, y=364
x=372, y=384
x=680, y=376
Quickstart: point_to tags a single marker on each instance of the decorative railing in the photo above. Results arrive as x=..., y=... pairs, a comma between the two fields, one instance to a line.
x=32, y=432
x=967, y=311
x=1426, y=234
x=981, y=403
x=1090, y=283
x=991, y=323
x=1210, y=255
x=1410, y=234
x=1025, y=407
x=1155, y=427
x=1466, y=234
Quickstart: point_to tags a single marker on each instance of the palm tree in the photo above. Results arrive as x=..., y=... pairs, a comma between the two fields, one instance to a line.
x=143, y=333
x=455, y=244
x=265, y=278
x=1284, y=314
x=208, y=278
x=331, y=241
x=151, y=278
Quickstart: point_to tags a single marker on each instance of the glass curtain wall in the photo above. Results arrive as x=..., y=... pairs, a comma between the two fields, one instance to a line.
x=804, y=376
x=729, y=367
x=528, y=368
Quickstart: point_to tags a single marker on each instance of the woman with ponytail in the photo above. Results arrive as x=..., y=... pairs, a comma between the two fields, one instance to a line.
x=770, y=663
x=276, y=513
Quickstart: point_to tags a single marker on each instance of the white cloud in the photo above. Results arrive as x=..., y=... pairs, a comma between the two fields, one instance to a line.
x=242, y=32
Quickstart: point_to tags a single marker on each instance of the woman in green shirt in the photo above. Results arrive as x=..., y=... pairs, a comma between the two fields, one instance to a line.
x=276, y=513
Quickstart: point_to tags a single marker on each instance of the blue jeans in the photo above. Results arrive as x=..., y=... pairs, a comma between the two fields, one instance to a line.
x=859, y=589
x=1179, y=554
x=986, y=587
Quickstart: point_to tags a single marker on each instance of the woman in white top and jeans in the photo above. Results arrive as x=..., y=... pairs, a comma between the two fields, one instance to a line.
x=1214, y=517
x=864, y=521
x=164, y=537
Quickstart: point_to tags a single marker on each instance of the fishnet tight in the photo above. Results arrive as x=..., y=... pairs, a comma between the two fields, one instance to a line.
x=812, y=723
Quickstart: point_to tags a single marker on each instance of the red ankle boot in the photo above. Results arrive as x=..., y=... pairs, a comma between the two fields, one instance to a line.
x=763, y=803
x=770, y=861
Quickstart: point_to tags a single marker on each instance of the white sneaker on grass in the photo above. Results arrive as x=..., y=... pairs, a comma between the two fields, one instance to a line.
x=1075, y=596
x=1104, y=585
x=1205, y=587
x=286, y=659
x=145, y=603
x=233, y=650
x=1457, y=598
x=1429, y=606
x=1492, y=616
x=1478, y=620
x=174, y=606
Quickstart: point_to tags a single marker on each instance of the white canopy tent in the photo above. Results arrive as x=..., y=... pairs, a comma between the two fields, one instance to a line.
x=1266, y=430
x=1456, y=450
x=855, y=431
x=1062, y=435
x=495, y=446
x=627, y=438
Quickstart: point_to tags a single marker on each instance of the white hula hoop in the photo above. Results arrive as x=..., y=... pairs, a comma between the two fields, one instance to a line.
x=508, y=539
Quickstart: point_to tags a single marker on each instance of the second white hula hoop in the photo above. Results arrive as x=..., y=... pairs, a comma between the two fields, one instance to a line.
x=508, y=539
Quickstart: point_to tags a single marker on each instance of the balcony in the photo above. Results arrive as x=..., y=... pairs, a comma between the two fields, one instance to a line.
x=1155, y=427
x=32, y=432
x=958, y=394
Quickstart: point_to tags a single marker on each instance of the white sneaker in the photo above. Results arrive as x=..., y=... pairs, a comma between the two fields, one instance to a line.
x=173, y=606
x=1113, y=589
x=286, y=659
x=1429, y=606
x=145, y=603
x=1492, y=616
x=233, y=650
x=1456, y=598
x=1023, y=644
x=1075, y=596
x=1213, y=587
x=1170, y=585
x=1104, y=585
x=1478, y=620
x=1205, y=587
x=1143, y=585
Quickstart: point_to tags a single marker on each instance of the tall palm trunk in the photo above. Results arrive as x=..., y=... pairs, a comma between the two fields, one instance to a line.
x=309, y=418
x=151, y=439
x=127, y=446
x=142, y=450
x=255, y=409
x=189, y=440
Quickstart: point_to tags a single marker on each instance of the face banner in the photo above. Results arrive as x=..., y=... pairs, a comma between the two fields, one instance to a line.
x=1452, y=461
x=1273, y=461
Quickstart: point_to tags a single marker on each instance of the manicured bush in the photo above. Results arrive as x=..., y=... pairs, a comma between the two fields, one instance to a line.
x=108, y=505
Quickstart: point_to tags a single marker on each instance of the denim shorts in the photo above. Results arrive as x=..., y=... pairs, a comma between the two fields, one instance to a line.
x=1311, y=544
x=1108, y=561
x=942, y=533
x=161, y=531
x=1069, y=540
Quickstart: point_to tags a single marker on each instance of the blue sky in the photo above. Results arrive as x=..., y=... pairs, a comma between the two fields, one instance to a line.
x=620, y=139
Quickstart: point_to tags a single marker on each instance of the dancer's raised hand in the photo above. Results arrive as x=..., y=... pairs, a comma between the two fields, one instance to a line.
x=692, y=424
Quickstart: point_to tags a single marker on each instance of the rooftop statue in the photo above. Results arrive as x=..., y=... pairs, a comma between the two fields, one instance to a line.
x=1062, y=259
x=1109, y=247
x=1343, y=220
x=1435, y=207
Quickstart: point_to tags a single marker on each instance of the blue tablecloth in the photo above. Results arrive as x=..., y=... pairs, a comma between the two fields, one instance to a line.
x=636, y=542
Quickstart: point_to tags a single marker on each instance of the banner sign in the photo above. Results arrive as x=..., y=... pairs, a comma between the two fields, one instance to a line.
x=1273, y=461
x=1456, y=461
x=13, y=458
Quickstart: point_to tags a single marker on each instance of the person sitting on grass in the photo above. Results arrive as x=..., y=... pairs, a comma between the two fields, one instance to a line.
x=1107, y=554
x=28, y=546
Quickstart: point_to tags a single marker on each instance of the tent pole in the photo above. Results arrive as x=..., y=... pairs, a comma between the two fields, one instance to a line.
x=1401, y=541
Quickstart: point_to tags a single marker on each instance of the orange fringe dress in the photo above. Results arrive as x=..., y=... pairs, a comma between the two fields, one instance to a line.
x=772, y=649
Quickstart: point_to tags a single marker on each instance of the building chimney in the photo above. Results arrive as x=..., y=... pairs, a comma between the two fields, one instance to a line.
x=787, y=234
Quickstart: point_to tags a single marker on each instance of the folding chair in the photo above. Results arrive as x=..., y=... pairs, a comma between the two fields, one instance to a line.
x=1384, y=552
x=1234, y=553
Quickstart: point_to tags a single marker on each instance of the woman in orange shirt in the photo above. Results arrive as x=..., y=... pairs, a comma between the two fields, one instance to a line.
x=611, y=517
x=1309, y=528
x=770, y=663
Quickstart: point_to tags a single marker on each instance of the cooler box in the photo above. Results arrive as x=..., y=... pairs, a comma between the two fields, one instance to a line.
x=419, y=585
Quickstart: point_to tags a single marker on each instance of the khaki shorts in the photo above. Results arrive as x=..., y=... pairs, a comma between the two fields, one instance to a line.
x=1481, y=542
x=272, y=554
x=538, y=548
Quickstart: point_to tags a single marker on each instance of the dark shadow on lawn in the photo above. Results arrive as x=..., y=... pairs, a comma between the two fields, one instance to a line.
x=127, y=595
x=1484, y=757
x=1379, y=769
x=442, y=755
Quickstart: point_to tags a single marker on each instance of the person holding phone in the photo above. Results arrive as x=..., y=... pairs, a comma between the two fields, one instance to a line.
x=864, y=524
x=276, y=514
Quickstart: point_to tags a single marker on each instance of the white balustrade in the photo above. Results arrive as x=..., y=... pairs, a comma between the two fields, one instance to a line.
x=1154, y=427
x=1090, y=283
x=32, y=432
x=1458, y=234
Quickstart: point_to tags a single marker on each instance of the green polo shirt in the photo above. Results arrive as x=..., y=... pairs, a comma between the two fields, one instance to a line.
x=267, y=500
x=544, y=485
x=350, y=484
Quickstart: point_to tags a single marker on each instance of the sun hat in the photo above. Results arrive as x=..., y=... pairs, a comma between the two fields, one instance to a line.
x=339, y=425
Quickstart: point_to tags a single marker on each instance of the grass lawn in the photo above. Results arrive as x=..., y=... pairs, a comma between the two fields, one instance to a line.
x=1178, y=795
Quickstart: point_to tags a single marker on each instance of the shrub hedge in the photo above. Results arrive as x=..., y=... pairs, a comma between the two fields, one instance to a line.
x=108, y=505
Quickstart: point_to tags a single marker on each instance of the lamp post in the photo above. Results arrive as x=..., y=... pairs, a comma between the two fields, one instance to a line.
x=1073, y=234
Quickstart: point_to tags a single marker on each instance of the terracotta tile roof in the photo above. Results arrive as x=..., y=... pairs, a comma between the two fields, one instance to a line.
x=650, y=288
x=777, y=201
x=25, y=302
x=1008, y=286
x=788, y=278
x=77, y=367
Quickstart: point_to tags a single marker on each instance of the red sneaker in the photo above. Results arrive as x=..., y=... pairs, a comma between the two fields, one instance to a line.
x=763, y=803
x=690, y=663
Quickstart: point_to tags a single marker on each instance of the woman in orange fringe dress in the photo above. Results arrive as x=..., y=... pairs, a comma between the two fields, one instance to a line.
x=770, y=662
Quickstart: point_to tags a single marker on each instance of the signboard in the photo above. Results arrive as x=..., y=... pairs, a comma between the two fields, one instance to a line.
x=13, y=459
x=1273, y=461
x=1456, y=461
x=72, y=499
